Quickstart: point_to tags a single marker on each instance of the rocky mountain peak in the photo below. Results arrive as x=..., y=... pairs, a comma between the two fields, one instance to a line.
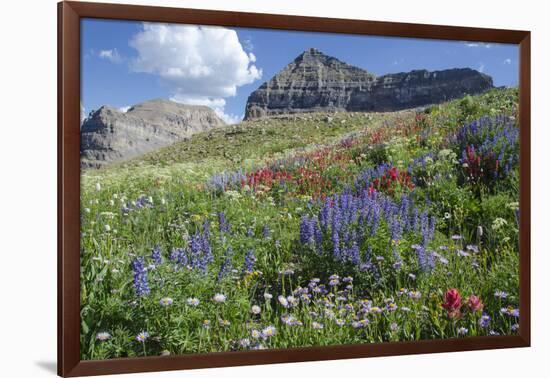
x=314, y=81
x=312, y=55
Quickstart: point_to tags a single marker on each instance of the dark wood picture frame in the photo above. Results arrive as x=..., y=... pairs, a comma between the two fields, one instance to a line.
x=69, y=15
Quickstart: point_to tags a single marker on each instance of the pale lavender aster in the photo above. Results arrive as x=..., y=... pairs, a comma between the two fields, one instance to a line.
x=375, y=310
x=142, y=336
x=103, y=336
x=510, y=311
x=269, y=331
x=484, y=321
x=219, y=298
x=244, y=343
x=391, y=307
x=224, y=323
x=317, y=325
x=501, y=294
x=193, y=302
x=360, y=324
x=283, y=301
x=415, y=295
x=166, y=301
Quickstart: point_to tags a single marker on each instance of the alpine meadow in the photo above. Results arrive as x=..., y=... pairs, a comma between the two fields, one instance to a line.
x=345, y=208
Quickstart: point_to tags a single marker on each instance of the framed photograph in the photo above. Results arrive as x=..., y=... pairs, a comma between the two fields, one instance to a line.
x=240, y=188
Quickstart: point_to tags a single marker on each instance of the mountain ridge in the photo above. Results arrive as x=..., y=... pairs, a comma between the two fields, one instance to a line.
x=111, y=135
x=314, y=81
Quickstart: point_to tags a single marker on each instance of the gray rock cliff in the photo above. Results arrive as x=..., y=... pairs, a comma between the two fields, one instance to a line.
x=109, y=135
x=317, y=82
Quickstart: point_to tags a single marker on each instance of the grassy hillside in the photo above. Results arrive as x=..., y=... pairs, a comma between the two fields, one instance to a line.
x=307, y=230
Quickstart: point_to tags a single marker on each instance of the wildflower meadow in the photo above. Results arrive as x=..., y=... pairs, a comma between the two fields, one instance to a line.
x=306, y=231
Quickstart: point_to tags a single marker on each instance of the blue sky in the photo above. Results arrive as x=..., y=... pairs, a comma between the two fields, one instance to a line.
x=124, y=63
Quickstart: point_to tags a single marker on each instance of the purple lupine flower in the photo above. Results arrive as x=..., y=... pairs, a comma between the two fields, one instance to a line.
x=266, y=231
x=174, y=255
x=226, y=180
x=224, y=225
x=431, y=228
x=355, y=257
x=422, y=258
x=182, y=259
x=141, y=286
x=143, y=201
x=225, y=268
x=307, y=231
x=318, y=235
x=324, y=215
x=249, y=261
x=425, y=229
x=335, y=244
x=375, y=220
x=414, y=220
x=156, y=255
x=396, y=229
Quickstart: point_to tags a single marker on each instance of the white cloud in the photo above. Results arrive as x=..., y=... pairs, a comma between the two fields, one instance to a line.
x=82, y=113
x=124, y=109
x=481, y=67
x=230, y=119
x=247, y=44
x=111, y=55
x=200, y=65
x=217, y=104
x=478, y=44
x=507, y=61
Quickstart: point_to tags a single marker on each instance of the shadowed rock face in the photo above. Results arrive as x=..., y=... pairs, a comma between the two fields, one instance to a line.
x=110, y=135
x=317, y=82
